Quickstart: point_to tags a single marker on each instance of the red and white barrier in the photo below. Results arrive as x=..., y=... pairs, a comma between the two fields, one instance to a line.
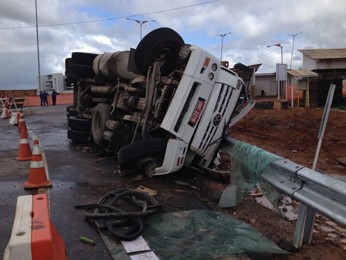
x=33, y=236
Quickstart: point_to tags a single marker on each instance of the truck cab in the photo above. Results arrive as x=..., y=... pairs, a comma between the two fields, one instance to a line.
x=166, y=105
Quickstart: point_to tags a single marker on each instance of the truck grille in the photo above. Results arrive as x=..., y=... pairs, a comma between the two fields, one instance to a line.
x=218, y=116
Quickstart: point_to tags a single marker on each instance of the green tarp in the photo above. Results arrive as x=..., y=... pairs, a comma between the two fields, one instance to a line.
x=199, y=234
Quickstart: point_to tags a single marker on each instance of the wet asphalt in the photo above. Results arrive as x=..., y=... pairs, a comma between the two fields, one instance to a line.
x=81, y=174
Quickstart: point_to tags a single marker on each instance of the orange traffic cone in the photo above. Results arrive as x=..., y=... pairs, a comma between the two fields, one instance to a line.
x=21, y=121
x=37, y=174
x=24, y=151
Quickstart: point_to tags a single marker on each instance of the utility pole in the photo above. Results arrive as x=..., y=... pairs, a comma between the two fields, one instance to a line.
x=282, y=61
x=222, y=36
x=294, y=37
x=278, y=45
x=140, y=22
x=38, y=50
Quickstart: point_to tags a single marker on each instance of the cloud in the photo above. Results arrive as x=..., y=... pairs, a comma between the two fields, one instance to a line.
x=254, y=25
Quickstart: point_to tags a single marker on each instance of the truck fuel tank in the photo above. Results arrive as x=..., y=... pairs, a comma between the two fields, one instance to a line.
x=113, y=65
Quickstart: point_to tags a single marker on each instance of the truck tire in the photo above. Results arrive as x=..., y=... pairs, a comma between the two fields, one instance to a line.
x=79, y=124
x=82, y=71
x=70, y=107
x=100, y=116
x=68, y=67
x=71, y=111
x=160, y=41
x=129, y=155
x=78, y=136
x=83, y=58
x=71, y=80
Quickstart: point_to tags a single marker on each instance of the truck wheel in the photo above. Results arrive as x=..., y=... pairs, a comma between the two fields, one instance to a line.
x=98, y=124
x=160, y=41
x=79, y=124
x=68, y=67
x=70, y=79
x=130, y=154
x=82, y=71
x=83, y=58
x=71, y=111
x=70, y=107
x=77, y=136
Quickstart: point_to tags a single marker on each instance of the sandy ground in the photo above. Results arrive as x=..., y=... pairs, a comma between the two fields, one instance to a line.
x=293, y=134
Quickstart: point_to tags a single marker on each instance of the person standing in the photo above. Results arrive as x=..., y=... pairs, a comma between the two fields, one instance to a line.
x=41, y=98
x=45, y=98
x=54, y=94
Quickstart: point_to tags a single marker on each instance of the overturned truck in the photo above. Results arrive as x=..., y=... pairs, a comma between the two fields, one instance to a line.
x=161, y=106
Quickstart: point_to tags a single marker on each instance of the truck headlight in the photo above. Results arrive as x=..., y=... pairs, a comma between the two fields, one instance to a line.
x=211, y=76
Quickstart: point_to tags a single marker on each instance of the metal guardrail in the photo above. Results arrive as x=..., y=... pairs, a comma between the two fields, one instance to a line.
x=312, y=189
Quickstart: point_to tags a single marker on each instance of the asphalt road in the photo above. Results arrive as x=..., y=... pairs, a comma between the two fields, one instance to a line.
x=81, y=174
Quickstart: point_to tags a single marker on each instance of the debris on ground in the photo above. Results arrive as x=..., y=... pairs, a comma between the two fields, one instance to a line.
x=146, y=190
x=121, y=212
x=185, y=184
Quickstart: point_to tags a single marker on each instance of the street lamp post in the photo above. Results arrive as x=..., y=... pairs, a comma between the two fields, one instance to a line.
x=282, y=61
x=278, y=45
x=140, y=22
x=294, y=37
x=38, y=50
x=222, y=35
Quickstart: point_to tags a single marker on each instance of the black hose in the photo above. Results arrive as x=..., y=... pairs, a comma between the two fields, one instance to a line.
x=123, y=224
x=134, y=228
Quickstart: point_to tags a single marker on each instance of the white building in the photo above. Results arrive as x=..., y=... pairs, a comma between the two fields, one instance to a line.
x=320, y=68
x=330, y=64
x=325, y=59
x=52, y=81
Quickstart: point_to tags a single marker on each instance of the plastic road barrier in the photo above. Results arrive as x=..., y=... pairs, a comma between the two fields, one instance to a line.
x=33, y=235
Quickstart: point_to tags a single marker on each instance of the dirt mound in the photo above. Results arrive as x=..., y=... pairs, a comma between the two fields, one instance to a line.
x=293, y=134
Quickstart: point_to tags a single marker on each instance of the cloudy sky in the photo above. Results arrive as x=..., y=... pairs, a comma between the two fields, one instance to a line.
x=100, y=26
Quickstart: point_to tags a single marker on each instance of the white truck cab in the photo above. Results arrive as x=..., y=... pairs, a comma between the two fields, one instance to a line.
x=199, y=112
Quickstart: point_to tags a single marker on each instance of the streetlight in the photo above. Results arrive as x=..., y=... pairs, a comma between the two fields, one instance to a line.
x=294, y=37
x=278, y=45
x=38, y=50
x=282, y=61
x=222, y=36
x=140, y=22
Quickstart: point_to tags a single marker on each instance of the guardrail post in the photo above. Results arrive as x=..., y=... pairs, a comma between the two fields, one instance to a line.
x=304, y=226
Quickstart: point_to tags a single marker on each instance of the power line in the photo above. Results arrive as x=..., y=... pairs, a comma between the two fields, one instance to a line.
x=108, y=19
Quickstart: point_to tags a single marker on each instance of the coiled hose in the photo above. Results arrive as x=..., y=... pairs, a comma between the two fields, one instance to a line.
x=123, y=224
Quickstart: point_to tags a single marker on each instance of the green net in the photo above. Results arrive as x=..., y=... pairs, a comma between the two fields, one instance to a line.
x=248, y=163
x=202, y=234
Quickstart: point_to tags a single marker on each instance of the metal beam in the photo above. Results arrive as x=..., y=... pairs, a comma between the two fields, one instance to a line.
x=319, y=192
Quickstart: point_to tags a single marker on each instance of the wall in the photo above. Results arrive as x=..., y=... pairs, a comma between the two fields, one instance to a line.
x=308, y=63
x=17, y=93
x=331, y=64
x=266, y=84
